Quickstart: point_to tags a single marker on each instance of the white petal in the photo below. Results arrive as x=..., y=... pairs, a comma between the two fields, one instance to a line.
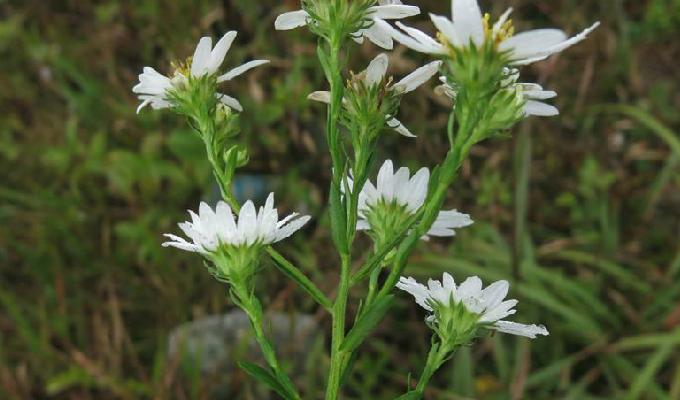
x=320, y=96
x=502, y=310
x=532, y=43
x=385, y=179
x=379, y=33
x=291, y=227
x=417, y=290
x=143, y=104
x=448, y=282
x=247, y=223
x=416, y=40
x=533, y=107
x=515, y=328
x=501, y=20
x=291, y=20
x=226, y=223
x=471, y=287
x=229, y=101
x=537, y=45
x=217, y=54
x=376, y=70
x=393, y=11
x=416, y=78
x=467, y=21
x=452, y=219
x=445, y=26
x=201, y=56
x=399, y=127
x=363, y=225
x=494, y=294
x=438, y=293
x=418, y=189
x=400, y=182
x=539, y=94
x=241, y=69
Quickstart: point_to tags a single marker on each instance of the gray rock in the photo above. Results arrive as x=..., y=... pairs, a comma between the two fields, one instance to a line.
x=216, y=343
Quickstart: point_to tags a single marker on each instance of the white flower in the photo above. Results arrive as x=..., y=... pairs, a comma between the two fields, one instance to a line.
x=531, y=93
x=408, y=192
x=211, y=229
x=379, y=32
x=153, y=86
x=375, y=74
x=468, y=25
x=488, y=304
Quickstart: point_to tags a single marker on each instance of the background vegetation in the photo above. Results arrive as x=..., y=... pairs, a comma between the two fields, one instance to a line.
x=581, y=212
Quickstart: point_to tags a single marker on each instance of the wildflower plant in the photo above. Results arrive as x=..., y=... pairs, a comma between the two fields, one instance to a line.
x=477, y=64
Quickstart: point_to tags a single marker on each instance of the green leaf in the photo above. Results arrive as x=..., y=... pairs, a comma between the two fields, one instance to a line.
x=409, y=396
x=300, y=278
x=374, y=314
x=267, y=378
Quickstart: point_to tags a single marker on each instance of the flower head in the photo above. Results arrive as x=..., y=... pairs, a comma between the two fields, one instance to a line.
x=372, y=82
x=385, y=208
x=457, y=311
x=211, y=230
x=468, y=25
x=155, y=88
x=530, y=94
x=374, y=27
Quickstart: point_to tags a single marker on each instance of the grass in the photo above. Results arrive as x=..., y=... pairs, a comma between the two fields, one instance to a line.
x=580, y=212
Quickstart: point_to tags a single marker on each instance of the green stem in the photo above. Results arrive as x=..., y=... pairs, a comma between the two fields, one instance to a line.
x=252, y=307
x=435, y=358
x=339, y=222
x=338, y=357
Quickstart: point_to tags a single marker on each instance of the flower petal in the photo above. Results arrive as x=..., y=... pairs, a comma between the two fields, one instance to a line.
x=399, y=127
x=468, y=22
x=445, y=26
x=201, y=56
x=229, y=101
x=241, y=69
x=533, y=107
x=320, y=96
x=419, y=292
x=514, y=328
x=217, y=54
x=416, y=78
x=291, y=20
x=291, y=227
x=393, y=11
x=376, y=70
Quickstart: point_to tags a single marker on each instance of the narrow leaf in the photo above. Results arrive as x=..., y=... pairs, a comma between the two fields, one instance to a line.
x=265, y=377
x=374, y=314
x=300, y=278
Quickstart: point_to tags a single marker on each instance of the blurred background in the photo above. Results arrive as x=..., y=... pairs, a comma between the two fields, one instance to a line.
x=580, y=212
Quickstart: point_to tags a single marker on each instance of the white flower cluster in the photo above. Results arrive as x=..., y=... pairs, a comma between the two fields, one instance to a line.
x=375, y=74
x=379, y=32
x=153, y=87
x=408, y=192
x=531, y=93
x=488, y=304
x=468, y=26
x=209, y=230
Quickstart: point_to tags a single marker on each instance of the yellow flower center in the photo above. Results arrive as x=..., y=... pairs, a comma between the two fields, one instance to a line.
x=503, y=32
x=182, y=67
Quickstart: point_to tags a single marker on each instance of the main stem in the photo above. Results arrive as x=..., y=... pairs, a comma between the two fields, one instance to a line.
x=340, y=305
